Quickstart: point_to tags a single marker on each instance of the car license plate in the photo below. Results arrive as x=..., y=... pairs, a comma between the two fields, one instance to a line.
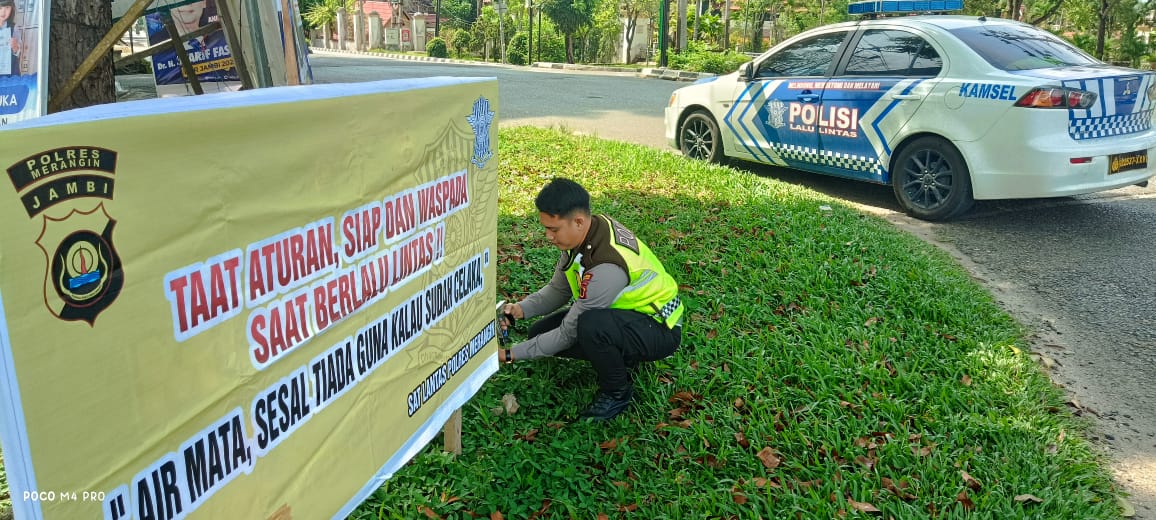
x=1123, y=162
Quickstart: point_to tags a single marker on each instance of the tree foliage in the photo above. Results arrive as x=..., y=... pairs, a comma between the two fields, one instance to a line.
x=436, y=48
x=459, y=14
x=461, y=41
x=569, y=16
x=318, y=13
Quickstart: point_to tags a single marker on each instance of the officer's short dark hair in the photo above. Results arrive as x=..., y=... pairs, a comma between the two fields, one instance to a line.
x=562, y=198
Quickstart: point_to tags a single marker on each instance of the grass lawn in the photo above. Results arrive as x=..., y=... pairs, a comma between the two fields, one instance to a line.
x=831, y=367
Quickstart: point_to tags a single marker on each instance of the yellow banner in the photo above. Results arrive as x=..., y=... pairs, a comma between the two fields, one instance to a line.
x=243, y=305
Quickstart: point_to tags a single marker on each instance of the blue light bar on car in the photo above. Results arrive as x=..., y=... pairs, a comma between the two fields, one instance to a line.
x=877, y=7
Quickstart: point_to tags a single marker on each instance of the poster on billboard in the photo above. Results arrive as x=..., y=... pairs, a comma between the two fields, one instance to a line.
x=23, y=59
x=210, y=55
x=267, y=320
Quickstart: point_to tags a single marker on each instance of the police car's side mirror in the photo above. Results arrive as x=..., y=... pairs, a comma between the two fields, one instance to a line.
x=745, y=71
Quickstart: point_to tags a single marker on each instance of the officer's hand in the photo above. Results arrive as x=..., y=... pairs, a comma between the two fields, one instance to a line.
x=513, y=309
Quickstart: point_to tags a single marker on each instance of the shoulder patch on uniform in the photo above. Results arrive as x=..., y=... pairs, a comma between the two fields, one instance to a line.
x=624, y=237
x=582, y=285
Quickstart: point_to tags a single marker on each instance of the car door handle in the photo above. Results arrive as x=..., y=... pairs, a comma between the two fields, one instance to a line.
x=906, y=96
x=808, y=98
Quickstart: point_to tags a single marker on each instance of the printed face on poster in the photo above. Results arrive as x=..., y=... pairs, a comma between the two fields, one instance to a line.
x=23, y=35
x=210, y=55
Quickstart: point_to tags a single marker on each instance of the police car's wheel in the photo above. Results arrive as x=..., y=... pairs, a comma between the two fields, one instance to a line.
x=931, y=180
x=699, y=137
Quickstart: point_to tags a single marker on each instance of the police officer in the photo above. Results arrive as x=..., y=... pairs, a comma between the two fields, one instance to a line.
x=625, y=307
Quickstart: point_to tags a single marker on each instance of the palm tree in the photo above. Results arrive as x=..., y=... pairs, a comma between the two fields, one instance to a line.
x=323, y=13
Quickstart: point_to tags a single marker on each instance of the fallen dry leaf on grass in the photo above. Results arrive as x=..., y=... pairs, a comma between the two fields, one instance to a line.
x=1028, y=498
x=541, y=511
x=898, y=490
x=685, y=398
x=767, y=455
x=970, y=481
x=742, y=440
x=739, y=499
x=429, y=513
x=510, y=404
x=762, y=483
x=863, y=507
x=966, y=380
x=497, y=515
x=965, y=501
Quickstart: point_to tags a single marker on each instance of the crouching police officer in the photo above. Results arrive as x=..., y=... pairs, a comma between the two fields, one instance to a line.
x=625, y=307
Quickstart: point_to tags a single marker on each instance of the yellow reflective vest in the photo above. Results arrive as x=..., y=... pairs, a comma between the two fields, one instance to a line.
x=650, y=290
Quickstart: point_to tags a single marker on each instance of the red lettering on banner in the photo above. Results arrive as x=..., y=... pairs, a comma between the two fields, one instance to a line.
x=443, y=197
x=204, y=294
x=374, y=277
x=417, y=254
x=399, y=215
x=279, y=328
x=337, y=298
x=360, y=230
x=288, y=259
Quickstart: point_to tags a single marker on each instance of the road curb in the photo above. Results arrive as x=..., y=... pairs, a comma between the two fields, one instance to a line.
x=379, y=54
x=644, y=72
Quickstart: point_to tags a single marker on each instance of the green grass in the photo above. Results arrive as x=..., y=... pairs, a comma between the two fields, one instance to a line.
x=865, y=366
x=5, y=495
x=871, y=367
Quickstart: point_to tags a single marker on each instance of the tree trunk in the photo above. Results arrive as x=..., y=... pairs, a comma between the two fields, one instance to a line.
x=77, y=26
x=1103, y=28
x=697, y=15
x=727, y=26
x=631, y=25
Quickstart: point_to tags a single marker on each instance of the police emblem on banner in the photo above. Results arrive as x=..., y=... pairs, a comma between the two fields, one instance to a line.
x=480, y=120
x=83, y=274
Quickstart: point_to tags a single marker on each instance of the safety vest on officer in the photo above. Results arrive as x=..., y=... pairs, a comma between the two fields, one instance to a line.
x=650, y=290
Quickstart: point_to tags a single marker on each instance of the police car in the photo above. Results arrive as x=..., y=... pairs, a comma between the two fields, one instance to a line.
x=947, y=109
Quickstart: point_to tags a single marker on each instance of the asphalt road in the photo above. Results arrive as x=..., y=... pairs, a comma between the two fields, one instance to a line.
x=1078, y=272
x=619, y=106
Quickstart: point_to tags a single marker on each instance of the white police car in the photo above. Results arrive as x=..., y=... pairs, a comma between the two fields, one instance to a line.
x=945, y=108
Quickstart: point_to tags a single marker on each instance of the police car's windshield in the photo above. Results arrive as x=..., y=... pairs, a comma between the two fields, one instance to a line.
x=1010, y=47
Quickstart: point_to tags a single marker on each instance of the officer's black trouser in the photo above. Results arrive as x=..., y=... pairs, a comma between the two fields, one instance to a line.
x=613, y=339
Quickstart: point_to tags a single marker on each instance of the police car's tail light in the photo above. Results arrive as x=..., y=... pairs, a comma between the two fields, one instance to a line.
x=1057, y=97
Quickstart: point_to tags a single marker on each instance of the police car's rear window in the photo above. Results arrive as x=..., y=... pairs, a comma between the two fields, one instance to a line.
x=1021, y=48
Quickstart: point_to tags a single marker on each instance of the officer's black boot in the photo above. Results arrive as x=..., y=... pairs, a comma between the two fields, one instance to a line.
x=607, y=405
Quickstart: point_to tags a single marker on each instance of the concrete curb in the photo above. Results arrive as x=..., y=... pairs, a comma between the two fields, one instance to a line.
x=653, y=73
x=411, y=57
x=675, y=75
